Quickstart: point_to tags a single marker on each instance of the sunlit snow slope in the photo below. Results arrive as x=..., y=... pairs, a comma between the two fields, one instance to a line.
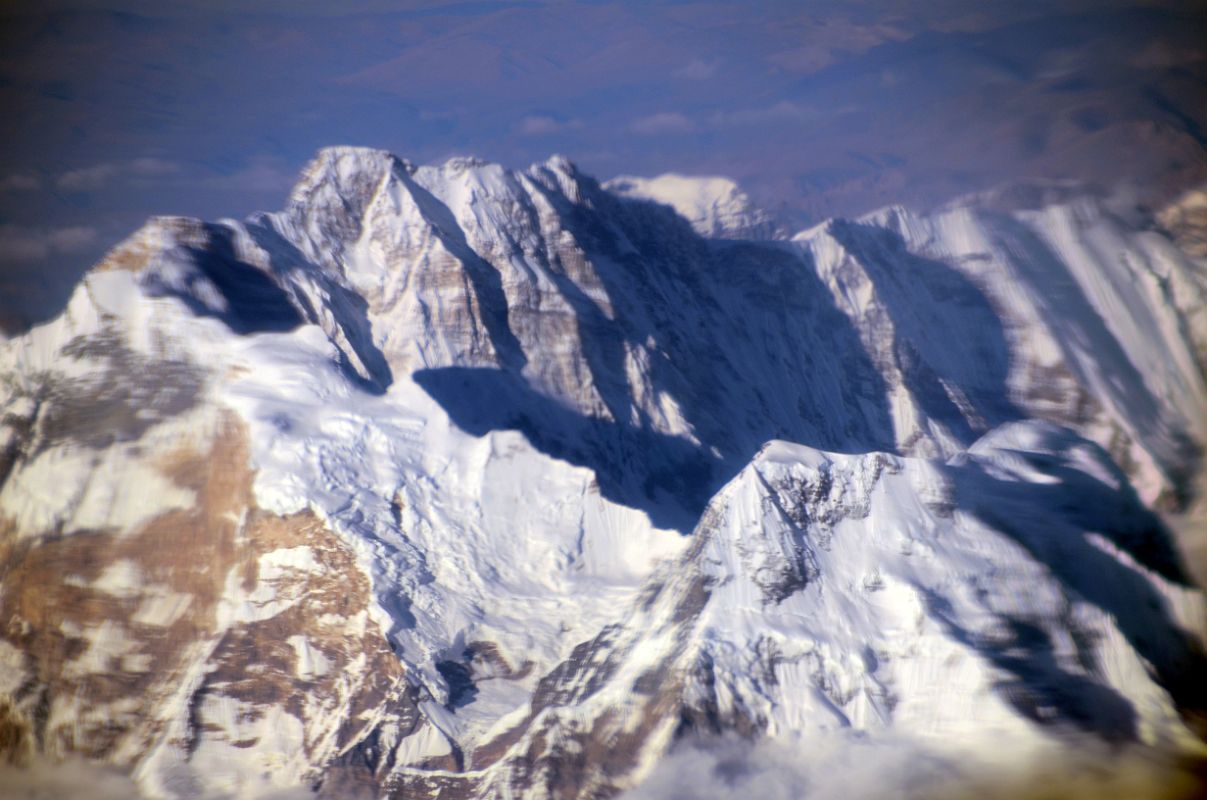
x=467, y=482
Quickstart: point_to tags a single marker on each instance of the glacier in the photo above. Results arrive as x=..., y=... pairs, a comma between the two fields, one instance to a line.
x=465, y=481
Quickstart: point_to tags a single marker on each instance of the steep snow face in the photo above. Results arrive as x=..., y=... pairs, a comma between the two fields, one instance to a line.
x=391, y=491
x=716, y=207
x=977, y=317
x=975, y=596
x=968, y=607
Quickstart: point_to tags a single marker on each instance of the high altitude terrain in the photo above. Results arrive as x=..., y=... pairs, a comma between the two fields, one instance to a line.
x=468, y=482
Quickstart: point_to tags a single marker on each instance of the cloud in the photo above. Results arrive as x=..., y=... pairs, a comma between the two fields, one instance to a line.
x=152, y=167
x=20, y=183
x=72, y=778
x=784, y=111
x=731, y=768
x=854, y=767
x=697, y=69
x=87, y=179
x=71, y=240
x=18, y=244
x=540, y=125
x=663, y=122
x=262, y=175
x=440, y=114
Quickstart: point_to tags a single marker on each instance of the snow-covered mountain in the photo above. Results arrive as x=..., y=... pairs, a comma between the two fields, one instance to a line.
x=459, y=481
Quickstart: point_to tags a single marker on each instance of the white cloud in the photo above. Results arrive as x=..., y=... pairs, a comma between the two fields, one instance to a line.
x=261, y=176
x=72, y=778
x=851, y=766
x=152, y=167
x=729, y=768
x=87, y=179
x=20, y=183
x=784, y=111
x=697, y=69
x=71, y=240
x=37, y=244
x=440, y=114
x=17, y=244
x=541, y=125
x=663, y=122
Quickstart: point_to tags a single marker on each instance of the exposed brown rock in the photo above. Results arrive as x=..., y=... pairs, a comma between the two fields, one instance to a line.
x=51, y=605
x=16, y=743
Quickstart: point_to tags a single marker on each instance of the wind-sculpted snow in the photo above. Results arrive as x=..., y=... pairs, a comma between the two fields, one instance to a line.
x=471, y=482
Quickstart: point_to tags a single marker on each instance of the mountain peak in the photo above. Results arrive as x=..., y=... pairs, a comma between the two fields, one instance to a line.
x=343, y=170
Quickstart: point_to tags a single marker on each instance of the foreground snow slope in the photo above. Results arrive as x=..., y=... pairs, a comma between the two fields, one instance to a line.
x=494, y=483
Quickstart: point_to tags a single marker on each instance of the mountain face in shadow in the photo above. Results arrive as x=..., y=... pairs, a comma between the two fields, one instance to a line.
x=741, y=338
x=744, y=338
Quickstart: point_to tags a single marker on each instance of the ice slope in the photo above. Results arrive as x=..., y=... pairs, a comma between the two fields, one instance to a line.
x=387, y=491
x=977, y=609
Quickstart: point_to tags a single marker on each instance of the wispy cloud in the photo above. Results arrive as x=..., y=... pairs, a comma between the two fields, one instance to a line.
x=152, y=167
x=88, y=179
x=542, y=125
x=697, y=69
x=20, y=183
x=22, y=244
x=440, y=114
x=860, y=768
x=75, y=777
x=784, y=111
x=262, y=175
x=662, y=123
x=72, y=778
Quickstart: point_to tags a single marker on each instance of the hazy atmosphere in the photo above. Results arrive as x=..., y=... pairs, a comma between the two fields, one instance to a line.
x=115, y=111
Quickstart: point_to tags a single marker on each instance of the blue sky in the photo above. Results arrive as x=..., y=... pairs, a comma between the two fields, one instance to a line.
x=113, y=111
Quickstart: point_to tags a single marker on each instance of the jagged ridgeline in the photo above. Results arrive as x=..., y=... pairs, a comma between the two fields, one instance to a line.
x=458, y=481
